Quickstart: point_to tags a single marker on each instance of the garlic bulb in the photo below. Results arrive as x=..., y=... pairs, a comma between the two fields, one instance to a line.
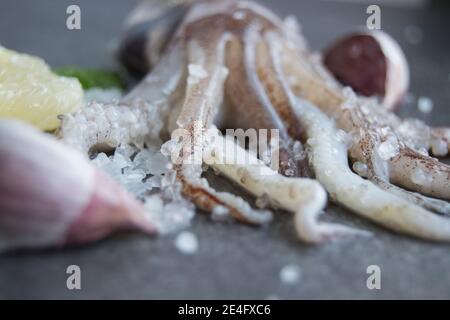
x=50, y=195
x=372, y=63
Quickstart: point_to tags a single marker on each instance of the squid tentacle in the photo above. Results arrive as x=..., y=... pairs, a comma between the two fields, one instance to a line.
x=203, y=96
x=305, y=197
x=421, y=173
x=319, y=232
x=436, y=205
x=358, y=194
x=288, y=166
x=243, y=92
x=329, y=159
x=401, y=167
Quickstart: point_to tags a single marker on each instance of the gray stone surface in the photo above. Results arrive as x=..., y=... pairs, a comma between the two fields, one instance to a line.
x=233, y=261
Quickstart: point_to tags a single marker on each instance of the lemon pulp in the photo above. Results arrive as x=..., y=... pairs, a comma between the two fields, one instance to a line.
x=31, y=92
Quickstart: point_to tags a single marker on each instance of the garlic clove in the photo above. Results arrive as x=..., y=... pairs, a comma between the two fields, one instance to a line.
x=50, y=195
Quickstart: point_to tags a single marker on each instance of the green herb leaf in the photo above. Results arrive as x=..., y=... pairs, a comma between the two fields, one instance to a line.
x=93, y=78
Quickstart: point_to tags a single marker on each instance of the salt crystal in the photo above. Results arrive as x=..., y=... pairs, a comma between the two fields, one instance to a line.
x=173, y=216
x=385, y=131
x=120, y=160
x=262, y=201
x=298, y=150
x=154, y=182
x=311, y=141
x=289, y=173
x=239, y=15
x=420, y=177
x=346, y=138
x=388, y=149
x=439, y=147
x=186, y=242
x=416, y=134
x=110, y=124
x=360, y=168
x=220, y=213
x=197, y=71
x=349, y=94
x=290, y=274
x=151, y=162
x=101, y=160
x=425, y=104
x=126, y=150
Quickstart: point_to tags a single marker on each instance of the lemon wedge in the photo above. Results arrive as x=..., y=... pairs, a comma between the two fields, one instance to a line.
x=31, y=92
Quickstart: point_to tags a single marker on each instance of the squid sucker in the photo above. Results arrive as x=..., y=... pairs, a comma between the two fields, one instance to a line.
x=235, y=64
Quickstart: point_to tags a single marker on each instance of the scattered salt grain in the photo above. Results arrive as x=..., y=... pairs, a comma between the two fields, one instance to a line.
x=171, y=216
x=425, y=104
x=421, y=178
x=290, y=274
x=262, y=201
x=388, y=149
x=360, y=168
x=196, y=73
x=299, y=151
x=220, y=213
x=239, y=15
x=346, y=138
x=439, y=147
x=416, y=134
x=289, y=173
x=187, y=243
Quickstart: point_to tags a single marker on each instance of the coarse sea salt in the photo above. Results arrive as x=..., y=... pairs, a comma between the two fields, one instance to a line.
x=137, y=163
x=439, y=147
x=425, y=105
x=110, y=124
x=139, y=171
x=388, y=149
x=360, y=168
x=239, y=15
x=421, y=178
x=187, y=243
x=196, y=73
x=290, y=274
x=415, y=133
x=168, y=210
x=220, y=213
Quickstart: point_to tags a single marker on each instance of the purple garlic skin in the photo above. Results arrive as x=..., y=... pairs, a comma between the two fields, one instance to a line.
x=51, y=196
x=372, y=63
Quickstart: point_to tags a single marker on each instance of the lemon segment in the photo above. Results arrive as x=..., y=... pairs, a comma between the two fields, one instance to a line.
x=31, y=92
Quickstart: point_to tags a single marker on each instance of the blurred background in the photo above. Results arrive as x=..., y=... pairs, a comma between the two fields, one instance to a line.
x=236, y=261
